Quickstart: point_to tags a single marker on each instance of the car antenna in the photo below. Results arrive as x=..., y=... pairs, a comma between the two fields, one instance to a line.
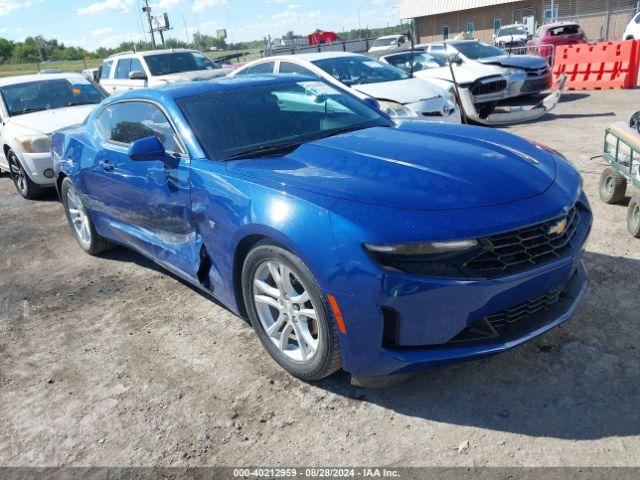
x=456, y=90
x=413, y=47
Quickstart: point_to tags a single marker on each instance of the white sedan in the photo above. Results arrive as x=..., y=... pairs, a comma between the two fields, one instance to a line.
x=399, y=95
x=632, y=32
x=31, y=108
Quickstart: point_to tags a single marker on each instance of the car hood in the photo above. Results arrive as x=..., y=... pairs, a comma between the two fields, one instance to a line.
x=413, y=167
x=49, y=121
x=464, y=73
x=405, y=91
x=517, y=61
x=196, y=76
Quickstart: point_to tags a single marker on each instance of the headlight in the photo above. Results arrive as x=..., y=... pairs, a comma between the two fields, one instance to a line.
x=512, y=71
x=394, y=109
x=436, y=259
x=430, y=248
x=34, y=143
x=450, y=100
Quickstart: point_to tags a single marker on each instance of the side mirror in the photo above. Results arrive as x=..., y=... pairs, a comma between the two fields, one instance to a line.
x=137, y=75
x=456, y=59
x=150, y=149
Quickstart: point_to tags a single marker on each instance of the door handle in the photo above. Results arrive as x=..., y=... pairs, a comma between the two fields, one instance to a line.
x=106, y=166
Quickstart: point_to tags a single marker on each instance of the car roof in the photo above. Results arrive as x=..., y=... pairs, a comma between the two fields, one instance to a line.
x=153, y=52
x=38, y=78
x=549, y=26
x=390, y=36
x=225, y=84
x=513, y=25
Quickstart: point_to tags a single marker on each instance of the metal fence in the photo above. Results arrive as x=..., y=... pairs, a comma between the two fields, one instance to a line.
x=353, y=46
x=600, y=19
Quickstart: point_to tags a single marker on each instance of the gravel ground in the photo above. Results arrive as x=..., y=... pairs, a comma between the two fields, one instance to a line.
x=111, y=362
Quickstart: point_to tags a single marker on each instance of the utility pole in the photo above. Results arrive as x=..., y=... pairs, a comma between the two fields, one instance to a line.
x=186, y=30
x=147, y=10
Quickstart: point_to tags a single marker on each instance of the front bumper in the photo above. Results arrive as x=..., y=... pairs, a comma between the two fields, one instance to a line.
x=441, y=314
x=35, y=165
x=513, y=114
x=536, y=84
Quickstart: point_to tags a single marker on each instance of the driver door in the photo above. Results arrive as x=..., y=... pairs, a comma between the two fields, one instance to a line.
x=145, y=204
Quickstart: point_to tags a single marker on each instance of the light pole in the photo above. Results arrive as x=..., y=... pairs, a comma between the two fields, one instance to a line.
x=147, y=10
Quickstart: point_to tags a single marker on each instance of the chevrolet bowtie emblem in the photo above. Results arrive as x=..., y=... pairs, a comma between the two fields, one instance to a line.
x=559, y=228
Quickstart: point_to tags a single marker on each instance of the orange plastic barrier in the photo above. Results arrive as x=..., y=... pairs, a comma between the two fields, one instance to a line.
x=602, y=66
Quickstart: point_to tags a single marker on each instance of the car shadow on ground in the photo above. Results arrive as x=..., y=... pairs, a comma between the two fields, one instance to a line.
x=573, y=96
x=579, y=381
x=123, y=254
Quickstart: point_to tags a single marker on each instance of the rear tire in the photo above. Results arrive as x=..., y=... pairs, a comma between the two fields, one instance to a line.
x=21, y=180
x=633, y=216
x=289, y=313
x=80, y=222
x=613, y=186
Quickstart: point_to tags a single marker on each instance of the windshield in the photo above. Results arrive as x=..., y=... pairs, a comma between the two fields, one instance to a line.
x=421, y=61
x=477, y=50
x=385, y=42
x=512, y=31
x=260, y=117
x=40, y=95
x=168, y=63
x=359, y=70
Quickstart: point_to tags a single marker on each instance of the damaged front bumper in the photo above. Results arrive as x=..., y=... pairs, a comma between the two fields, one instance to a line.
x=504, y=114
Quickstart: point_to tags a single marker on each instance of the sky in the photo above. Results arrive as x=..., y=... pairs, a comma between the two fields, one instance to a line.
x=94, y=23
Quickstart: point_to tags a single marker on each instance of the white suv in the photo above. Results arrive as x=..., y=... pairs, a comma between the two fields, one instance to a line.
x=31, y=108
x=134, y=70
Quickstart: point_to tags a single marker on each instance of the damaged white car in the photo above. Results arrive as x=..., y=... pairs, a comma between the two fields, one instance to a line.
x=399, y=95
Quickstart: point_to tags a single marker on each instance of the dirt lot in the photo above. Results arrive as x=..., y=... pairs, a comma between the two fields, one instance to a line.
x=109, y=361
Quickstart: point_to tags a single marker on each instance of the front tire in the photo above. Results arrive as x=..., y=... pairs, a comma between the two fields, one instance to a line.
x=613, y=186
x=80, y=222
x=633, y=216
x=27, y=188
x=289, y=313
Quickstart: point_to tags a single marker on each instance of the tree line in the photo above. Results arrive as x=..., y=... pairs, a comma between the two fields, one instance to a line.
x=32, y=51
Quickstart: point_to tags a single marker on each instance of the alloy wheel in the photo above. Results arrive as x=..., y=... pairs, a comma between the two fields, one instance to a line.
x=79, y=219
x=286, y=311
x=18, y=174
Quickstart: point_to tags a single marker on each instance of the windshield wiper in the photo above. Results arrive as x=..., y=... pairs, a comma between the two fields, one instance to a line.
x=265, y=151
x=75, y=104
x=353, y=128
x=31, y=110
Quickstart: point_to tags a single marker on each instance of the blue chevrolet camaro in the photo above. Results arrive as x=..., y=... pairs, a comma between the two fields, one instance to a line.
x=347, y=240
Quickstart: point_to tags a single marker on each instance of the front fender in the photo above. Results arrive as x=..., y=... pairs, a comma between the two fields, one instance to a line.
x=228, y=209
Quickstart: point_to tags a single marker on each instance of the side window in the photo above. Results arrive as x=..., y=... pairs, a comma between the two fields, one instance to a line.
x=127, y=122
x=288, y=67
x=105, y=70
x=261, y=68
x=123, y=68
x=637, y=19
x=136, y=66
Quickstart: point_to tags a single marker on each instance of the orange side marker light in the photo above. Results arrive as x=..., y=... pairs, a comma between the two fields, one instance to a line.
x=337, y=314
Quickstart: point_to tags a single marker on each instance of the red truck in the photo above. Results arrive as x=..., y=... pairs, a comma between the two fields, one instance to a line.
x=322, y=38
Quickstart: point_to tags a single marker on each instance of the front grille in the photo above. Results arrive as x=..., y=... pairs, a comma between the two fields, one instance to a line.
x=520, y=250
x=487, y=87
x=509, y=317
x=538, y=73
x=516, y=321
